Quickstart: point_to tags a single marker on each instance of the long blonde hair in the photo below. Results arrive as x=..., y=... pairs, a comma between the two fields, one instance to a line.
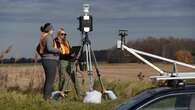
x=64, y=45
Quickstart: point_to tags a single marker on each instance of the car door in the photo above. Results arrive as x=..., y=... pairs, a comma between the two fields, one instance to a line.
x=175, y=101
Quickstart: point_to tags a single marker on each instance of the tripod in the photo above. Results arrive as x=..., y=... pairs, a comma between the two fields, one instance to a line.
x=89, y=55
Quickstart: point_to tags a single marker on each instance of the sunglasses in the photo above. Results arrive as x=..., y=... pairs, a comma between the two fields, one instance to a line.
x=63, y=34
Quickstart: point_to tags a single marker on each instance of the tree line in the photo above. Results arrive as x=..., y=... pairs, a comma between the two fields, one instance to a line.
x=182, y=49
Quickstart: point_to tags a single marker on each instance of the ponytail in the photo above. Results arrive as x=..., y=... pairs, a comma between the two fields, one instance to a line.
x=46, y=27
x=42, y=29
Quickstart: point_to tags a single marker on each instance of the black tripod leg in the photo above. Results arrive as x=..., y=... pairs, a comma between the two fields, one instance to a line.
x=77, y=59
x=76, y=82
x=97, y=71
x=95, y=62
x=73, y=72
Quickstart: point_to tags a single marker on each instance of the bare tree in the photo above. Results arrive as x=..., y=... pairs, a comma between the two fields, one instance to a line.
x=5, y=52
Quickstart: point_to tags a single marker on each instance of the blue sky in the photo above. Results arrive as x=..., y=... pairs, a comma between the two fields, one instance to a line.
x=20, y=20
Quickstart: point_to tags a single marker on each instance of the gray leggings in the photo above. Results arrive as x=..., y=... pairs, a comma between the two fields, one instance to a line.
x=50, y=68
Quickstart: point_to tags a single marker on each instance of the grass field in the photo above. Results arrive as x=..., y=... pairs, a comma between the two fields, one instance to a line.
x=21, y=86
x=32, y=100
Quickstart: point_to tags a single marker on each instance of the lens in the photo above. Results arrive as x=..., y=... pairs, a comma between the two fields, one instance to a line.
x=63, y=34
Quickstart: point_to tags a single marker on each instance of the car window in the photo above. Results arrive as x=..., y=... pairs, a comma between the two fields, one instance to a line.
x=173, y=102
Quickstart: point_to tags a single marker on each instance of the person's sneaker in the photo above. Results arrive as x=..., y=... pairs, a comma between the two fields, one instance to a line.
x=56, y=95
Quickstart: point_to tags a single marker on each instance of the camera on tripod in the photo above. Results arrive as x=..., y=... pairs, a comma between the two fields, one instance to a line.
x=86, y=20
x=85, y=26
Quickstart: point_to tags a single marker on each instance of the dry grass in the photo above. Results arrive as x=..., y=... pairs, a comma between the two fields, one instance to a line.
x=31, y=76
x=21, y=77
x=131, y=70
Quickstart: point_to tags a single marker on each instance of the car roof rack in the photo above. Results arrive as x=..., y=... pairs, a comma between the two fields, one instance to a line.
x=173, y=79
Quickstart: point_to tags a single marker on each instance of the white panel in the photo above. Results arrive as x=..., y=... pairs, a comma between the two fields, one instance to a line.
x=86, y=29
x=86, y=17
x=118, y=43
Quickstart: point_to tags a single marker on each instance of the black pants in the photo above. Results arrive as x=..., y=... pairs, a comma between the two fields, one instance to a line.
x=50, y=68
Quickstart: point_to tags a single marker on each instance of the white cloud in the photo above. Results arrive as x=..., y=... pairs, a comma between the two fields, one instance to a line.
x=140, y=17
x=144, y=8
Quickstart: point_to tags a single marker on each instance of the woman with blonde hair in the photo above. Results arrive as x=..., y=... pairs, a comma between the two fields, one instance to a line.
x=65, y=60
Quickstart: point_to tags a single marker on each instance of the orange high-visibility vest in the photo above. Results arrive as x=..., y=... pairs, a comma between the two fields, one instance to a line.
x=41, y=47
x=55, y=44
x=64, y=46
